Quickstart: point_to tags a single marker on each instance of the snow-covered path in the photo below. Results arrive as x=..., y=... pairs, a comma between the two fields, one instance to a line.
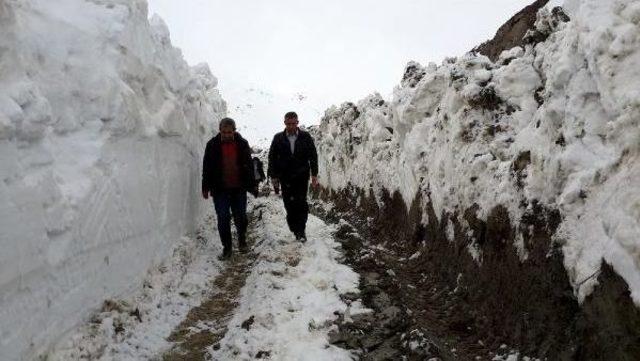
x=292, y=294
x=277, y=302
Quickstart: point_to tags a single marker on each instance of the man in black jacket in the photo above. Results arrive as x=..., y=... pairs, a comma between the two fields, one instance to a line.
x=227, y=175
x=292, y=159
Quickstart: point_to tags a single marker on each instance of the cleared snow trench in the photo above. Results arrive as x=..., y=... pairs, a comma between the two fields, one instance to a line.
x=284, y=311
x=291, y=294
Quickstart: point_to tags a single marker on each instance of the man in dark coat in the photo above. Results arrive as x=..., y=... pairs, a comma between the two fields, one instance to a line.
x=292, y=160
x=227, y=175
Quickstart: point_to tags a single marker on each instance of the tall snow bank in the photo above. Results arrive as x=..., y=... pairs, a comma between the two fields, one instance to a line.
x=102, y=125
x=556, y=123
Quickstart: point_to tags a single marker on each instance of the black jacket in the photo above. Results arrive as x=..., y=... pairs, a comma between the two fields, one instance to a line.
x=292, y=167
x=212, y=165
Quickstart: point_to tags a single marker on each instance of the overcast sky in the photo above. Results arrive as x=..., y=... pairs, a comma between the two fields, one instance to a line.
x=330, y=51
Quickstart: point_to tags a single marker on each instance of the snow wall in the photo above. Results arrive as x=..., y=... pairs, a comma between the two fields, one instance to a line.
x=102, y=126
x=554, y=123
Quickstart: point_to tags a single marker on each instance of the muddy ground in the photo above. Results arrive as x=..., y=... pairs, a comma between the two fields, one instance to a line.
x=433, y=300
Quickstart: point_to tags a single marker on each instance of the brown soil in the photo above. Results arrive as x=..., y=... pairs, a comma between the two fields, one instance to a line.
x=467, y=310
x=512, y=33
x=215, y=312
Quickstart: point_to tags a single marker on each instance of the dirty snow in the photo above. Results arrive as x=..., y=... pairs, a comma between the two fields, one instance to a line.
x=557, y=122
x=292, y=293
x=285, y=309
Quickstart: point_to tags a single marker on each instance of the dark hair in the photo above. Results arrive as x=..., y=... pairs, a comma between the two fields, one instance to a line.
x=227, y=122
x=290, y=115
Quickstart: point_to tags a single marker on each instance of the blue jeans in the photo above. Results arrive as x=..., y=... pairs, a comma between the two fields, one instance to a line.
x=228, y=204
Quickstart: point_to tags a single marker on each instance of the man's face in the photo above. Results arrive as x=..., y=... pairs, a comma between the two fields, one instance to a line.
x=226, y=133
x=291, y=124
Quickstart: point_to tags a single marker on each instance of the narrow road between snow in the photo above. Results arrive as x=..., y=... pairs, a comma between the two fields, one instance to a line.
x=284, y=300
x=280, y=301
x=291, y=295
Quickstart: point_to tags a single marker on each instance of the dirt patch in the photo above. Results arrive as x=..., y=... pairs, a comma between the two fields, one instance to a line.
x=468, y=308
x=206, y=324
x=387, y=333
x=190, y=340
x=512, y=33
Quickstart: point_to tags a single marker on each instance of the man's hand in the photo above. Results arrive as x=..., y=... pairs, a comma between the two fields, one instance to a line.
x=276, y=185
x=205, y=194
x=314, y=182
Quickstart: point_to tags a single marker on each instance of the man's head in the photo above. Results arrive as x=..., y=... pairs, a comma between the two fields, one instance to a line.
x=227, y=129
x=291, y=122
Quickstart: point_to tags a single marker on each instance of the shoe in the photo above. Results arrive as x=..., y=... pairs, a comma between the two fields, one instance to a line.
x=225, y=256
x=243, y=248
x=301, y=237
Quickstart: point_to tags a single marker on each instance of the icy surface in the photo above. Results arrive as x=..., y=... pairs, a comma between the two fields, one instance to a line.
x=555, y=122
x=102, y=125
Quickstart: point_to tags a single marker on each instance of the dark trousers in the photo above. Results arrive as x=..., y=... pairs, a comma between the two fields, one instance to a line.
x=294, y=195
x=228, y=204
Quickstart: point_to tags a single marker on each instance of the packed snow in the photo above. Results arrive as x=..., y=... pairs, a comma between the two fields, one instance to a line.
x=555, y=122
x=102, y=125
x=292, y=294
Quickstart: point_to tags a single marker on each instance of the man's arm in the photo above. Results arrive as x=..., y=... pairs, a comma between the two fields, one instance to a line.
x=260, y=170
x=313, y=157
x=248, y=163
x=313, y=162
x=271, y=169
x=206, y=164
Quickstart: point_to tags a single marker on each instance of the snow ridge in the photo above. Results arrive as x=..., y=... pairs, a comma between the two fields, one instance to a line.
x=101, y=128
x=555, y=122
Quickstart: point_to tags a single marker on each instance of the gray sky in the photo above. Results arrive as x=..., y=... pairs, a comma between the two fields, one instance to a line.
x=330, y=51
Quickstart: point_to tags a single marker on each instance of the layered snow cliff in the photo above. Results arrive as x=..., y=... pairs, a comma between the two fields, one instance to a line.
x=102, y=125
x=556, y=122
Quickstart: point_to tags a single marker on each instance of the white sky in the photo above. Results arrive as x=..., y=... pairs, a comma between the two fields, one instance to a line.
x=331, y=51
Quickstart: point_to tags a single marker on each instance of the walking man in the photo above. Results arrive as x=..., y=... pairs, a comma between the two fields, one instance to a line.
x=227, y=176
x=292, y=159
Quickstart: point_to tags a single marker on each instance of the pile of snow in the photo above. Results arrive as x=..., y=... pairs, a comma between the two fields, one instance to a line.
x=291, y=297
x=102, y=125
x=556, y=122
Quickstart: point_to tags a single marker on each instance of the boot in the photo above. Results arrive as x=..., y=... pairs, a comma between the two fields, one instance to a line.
x=301, y=236
x=225, y=255
x=242, y=244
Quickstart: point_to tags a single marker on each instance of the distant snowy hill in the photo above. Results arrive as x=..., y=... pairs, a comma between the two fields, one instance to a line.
x=102, y=125
x=554, y=123
x=259, y=111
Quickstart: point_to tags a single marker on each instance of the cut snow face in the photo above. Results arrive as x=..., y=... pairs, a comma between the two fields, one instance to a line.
x=102, y=125
x=137, y=328
x=554, y=123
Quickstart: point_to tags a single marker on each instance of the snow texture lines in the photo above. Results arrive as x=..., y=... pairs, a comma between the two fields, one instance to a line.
x=137, y=328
